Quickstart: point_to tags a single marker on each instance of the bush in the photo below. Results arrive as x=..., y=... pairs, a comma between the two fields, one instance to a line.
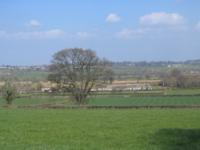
x=9, y=92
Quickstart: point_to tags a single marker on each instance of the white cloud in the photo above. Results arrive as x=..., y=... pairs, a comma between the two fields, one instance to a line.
x=34, y=23
x=49, y=34
x=128, y=33
x=162, y=18
x=112, y=18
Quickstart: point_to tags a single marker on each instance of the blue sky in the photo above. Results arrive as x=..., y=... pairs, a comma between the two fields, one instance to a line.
x=32, y=31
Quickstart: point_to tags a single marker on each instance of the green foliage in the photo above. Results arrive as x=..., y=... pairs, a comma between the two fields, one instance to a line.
x=82, y=129
x=9, y=92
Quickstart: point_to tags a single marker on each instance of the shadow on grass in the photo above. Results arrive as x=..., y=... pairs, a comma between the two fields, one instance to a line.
x=177, y=139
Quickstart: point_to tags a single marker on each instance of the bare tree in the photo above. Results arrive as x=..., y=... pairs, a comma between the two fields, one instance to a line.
x=78, y=70
x=175, y=79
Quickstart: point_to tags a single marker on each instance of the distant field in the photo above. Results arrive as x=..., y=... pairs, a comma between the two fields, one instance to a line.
x=99, y=129
x=141, y=72
x=144, y=100
x=122, y=72
x=183, y=92
x=175, y=97
x=23, y=74
x=109, y=100
x=39, y=100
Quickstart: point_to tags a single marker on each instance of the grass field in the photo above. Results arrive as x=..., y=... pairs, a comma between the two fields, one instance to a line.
x=109, y=100
x=39, y=100
x=82, y=129
x=183, y=92
x=144, y=100
x=24, y=74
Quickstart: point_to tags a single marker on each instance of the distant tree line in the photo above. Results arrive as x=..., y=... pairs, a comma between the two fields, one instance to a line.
x=157, y=63
x=178, y=79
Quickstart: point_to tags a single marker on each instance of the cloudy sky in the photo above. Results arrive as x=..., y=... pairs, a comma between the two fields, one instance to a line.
x=31, y=31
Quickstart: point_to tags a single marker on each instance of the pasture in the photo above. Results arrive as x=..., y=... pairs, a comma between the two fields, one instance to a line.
x=24, y=74
x=144, y=100
x=110, y=99
x=82, y=129
x=39, y=100
x=102, y=129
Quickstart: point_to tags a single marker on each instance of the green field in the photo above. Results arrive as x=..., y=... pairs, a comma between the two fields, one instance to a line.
x=81, y=129
x=39, y=100
x=144, y=100
x=27, y=75
x=182, y=92
x=109, y=100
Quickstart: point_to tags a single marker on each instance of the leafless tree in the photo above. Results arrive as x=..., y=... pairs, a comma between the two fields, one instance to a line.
x=175, y=79
x=78, y=70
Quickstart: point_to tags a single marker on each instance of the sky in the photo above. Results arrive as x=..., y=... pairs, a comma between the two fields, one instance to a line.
x=31, y=31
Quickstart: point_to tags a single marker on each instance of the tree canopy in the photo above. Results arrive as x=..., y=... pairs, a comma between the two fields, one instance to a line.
x=78, y=70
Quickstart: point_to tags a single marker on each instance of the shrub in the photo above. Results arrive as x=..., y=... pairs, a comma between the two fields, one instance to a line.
x=9, y=92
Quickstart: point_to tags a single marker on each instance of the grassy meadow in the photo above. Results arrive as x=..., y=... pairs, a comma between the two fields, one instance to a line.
x=144, y=100
x=102, y=129
x=82, y=129
x=108, y=100
x=39, y=100
x=173, y=97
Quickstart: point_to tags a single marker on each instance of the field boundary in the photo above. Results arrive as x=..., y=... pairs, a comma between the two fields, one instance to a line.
x=47, y=106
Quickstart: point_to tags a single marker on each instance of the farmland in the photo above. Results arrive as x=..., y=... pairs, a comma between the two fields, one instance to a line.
x=145, y=101
x=31, y=122
x=99, y=129
x=38, y=100
x=170, y=97
x=122, y=71
x=23, y=74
